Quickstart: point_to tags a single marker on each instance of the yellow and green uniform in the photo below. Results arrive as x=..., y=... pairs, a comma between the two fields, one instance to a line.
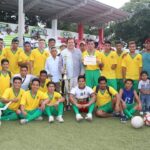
x=38, y=58
x=13, y=57
x=10, y=112
x=132, y=65
x=104, y=99
x=24, y=57
x=51, y=110
x=108, y=60
x=43, y=87
x=32, y=103
x=119, y=77
x=4, y=82
x=92, y=72
x=2, y=56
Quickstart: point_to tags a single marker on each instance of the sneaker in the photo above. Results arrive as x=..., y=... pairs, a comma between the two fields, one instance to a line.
x=116, y=114
x=79, y=117
x=23, y=121
x=141, y=113
x=51, y=119
x=89, y=117
x=147, y=113
x=39, y=118
x=123, y=119
x=60, y=119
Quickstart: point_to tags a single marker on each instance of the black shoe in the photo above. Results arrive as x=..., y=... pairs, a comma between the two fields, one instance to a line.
x=123, y=119
x=116, y=114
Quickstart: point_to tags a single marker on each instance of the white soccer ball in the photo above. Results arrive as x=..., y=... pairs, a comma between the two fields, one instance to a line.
x=147, y=119
x=137, y=122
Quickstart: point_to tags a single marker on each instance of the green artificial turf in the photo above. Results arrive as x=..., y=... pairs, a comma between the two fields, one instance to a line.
x=100, y=134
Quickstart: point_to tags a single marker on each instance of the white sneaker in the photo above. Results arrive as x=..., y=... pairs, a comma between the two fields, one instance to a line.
x=79, y=117
x=23, y=121
x=60, y=119
x=89, y=117
x=147, y=113
x=51, y=119
x=141, y=113
x=39, y=118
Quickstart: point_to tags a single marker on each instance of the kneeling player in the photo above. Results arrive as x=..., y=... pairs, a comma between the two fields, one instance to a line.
x=33, y=103
x=128, y=95
x=82, y=97
x=12, y=95
x=55, y=105
x=107, y=99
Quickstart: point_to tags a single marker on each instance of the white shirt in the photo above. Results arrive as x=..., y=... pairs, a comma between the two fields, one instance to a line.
x=82, y=93
x=51, y=66
x=144, y=85
x=25, y=81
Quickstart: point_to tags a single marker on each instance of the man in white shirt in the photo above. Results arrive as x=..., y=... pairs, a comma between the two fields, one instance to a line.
x=26, y=78
x=51, y=43
x=82, y=98
x=51, y=66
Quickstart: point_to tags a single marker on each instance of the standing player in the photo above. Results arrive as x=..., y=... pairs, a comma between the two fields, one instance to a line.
x=32, y=103
x=24, y=57
x=92, y=72
x=120, y=54
x=82, y=97
x=55, y=106
x=12, y=54
x=132, y=65
x=13, y=95
x=109, y=61
x=38, y=58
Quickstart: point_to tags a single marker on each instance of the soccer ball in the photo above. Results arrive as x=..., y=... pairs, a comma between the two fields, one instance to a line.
x=147, y=119
x=137, y=122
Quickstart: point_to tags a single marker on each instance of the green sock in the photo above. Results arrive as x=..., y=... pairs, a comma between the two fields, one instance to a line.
x=60, y=109
x=91, y=108
x=127, y=113
x=75, y=108
x=132, y=111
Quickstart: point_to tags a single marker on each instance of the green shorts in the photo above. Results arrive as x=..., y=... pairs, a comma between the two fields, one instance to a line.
x=120, y=84
x=112, y=83
x=130, y=106
x=106, y=108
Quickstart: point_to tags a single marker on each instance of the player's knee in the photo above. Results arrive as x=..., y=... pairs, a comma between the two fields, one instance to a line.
x=99, y=113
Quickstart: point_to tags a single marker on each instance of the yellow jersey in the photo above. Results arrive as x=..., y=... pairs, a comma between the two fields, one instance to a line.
x=10, y=94
x=38, y=58
x=32, y=102
x=13, y=57
x=97, y=54
x=2, y=56
x=43, y=87
x=132, y=65
x=104, y=97
x=54, y=98
x=108, y=60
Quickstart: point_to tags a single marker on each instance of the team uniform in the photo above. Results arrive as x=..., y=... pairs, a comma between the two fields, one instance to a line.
x=108, y=60
x=10, y=112
x=38, y=58
x=132, y=65
x=43, y=87
x=2, y=56
x=13, y=57
x=104, y=99
x=31, y=104
x=146, y=62
x=128, y=98
x=92, y=72
x=52, y=110
x=4, y=82
x=119, y=77
x=82, y=96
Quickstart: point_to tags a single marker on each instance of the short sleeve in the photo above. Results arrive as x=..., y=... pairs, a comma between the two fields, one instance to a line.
x=90, y=90
x=112, y=91
x=6, y=94
x=73, y=91
x=139, y=85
